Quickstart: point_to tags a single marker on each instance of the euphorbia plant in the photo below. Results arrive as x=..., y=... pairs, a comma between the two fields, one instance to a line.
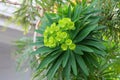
x=69, y=44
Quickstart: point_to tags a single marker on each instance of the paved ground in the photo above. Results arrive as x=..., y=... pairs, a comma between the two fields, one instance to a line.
x=7, y=61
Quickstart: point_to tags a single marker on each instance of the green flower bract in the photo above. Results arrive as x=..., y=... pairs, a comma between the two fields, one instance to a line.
x=57, y=35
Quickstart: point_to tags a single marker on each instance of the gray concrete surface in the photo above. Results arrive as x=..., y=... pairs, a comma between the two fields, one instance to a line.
x=7, y=61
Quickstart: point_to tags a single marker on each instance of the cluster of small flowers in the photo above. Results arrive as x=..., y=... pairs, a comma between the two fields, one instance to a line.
x=56, y=35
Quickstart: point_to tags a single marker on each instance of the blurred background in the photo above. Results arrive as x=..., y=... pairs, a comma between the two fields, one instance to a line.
x=10, y=32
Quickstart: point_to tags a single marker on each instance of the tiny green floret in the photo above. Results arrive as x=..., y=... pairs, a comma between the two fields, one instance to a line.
x=68, y=42
x=64, y=47
x=72, y=46
x=66, y=24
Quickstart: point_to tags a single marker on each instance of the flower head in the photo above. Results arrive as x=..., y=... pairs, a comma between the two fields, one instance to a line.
x=56, y=35
x=64, y=47
x=72, y=46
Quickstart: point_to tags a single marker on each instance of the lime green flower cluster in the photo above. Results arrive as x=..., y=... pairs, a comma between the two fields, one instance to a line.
x=56, y=35
x=66, y=24
x=68, y=44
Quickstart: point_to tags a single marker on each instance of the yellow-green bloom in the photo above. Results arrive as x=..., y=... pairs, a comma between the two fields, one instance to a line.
x=64, y=34
x=71, y=26
x=51, y=42
x=72, y=46
x=53, y=45
x=58, y=38
x=46, y=43
x=53, y=25
x=45, y=40
x=62, y=23
x=51, y=39
x=46, y=32
x=59, y=33
x=64, y=47
x=68, y=42
x=47, y=29
x=66, y=24
x=57, y=28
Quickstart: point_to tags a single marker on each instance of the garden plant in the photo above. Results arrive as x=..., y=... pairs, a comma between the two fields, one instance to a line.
x=76, y=39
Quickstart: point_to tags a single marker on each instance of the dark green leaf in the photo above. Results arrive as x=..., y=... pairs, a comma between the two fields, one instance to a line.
x=44, y=23
x=69, y=11
x=40, y=43
x=93, y=59
x=54, y=68
x=85, y=48
x=39, y=38
x=100, y=27
x=52, y=17
x=95, y=44
x=90, y=9
x=66, y=71
x=87, y=17
x=84, y=33
x=40, y=31
x=43, y=50
x=78, y=50
x=94, y=20
x=65, y=58
x=80, y=25
x=75, y=12
x=104, y=67
x=73, y=63
x=99, y=52
x=82, y=64
x=49, y=18
x=48, y=59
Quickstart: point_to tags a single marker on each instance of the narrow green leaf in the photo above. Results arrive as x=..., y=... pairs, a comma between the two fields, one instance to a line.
x=40, y=43
x=65, y=58
x=73, y=63
x=66, y=71
x=93, y=11
x=78, y=13
x=89, y=10
x=95, y=44
x=103, y=67
x=89, y=64
x=39, y=38
x=84, y=33
x=100, y=27
x=82, y=64
x=75, y=12
x=78, y=50
x=80, y=26
x=93, y=59
x=94, y=20
x=87, y=17
x=43, y=50
x=99, y=52
x=53, y=69
x=49, y=18
x=69, y=11
x=52, y=17
x=48, y=59
x=40, y=31
x=85, y=48
x=36, y=74
x=44, y=23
